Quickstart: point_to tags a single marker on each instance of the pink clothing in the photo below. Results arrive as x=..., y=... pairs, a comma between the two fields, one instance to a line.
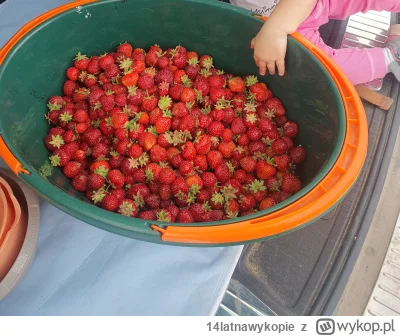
x=360, y=65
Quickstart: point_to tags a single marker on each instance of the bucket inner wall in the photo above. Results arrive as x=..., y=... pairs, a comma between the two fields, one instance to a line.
x=35, y=70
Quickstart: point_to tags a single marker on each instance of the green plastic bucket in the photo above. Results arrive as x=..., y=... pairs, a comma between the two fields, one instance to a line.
x=34, y=65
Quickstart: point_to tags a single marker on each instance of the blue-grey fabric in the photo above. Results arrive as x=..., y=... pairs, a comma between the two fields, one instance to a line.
x=81, y=270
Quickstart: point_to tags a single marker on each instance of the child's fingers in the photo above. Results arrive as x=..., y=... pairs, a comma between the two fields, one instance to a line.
x=281, y=66
x=263, y=68
x=271, y=67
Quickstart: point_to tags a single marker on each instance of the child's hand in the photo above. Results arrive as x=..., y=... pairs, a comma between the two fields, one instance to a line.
x=270, y=50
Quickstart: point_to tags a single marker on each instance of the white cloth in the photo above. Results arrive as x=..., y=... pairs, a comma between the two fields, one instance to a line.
x=261, y=7
x=81, y=270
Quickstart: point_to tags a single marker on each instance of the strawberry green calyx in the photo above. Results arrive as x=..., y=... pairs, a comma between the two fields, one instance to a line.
x=206, y=110
x=167, y=114
x=257, y=185
x=223, y=103
x=80, y=57
x=194, y=189
x=280, y=130
x=116, y=79
x=251, y=118
x=218, y=198
x=250, y=107
x=193, y=61
x=152, y=130
x=151, y=71
x=229, y=193
x=125, y=64
x=143, y=159
x=96, y=123
x=231, y=214
x=199, y=96
x=83, y=76
x=206, y=207
x=109, y=92
x=131, y=125
x=267, y=141
x=163, y=216
x=102, y=171
x=126, y=209
x=138, y=199
x=98, y=195
x=164, y=86
x=186, y=82
x=133, y=163
x=114, y=153
x=164, y=164
x=149, y=176
x=56, y=141
x=55, y=160
x=275, y=186
x=208, y=63
x=251, y=80
x=65, y=117
x=271, y=161
x=54, y=107
x=46, y=169
x=165, y=102
x=230, y=167
x=220, y=72
x=131, y=90
x=205, y=72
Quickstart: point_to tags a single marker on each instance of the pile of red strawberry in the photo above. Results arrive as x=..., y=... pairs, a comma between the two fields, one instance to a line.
x=164, y=135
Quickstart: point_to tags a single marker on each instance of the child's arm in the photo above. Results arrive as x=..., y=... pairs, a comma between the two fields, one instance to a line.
x=271, y=42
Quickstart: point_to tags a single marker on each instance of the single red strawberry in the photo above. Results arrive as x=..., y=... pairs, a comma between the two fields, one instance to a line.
x=105, y=126
x=163, y=62
x=240, y=175
x=107, y=101
x=179, y=186
x=217, y=94
x=180, y=110
x=73, y=73
x=119, y=120
x=81, y=61
x=93, y=66
x=179, y=60
x=214, y=158
x=264, y=170
x=267, y=203
x=203, y=196
x=248, y=164
x=127, y=207
x=145, y=82
x=216, y=128
x=186, y=168
x=283, y=162
x=149, y=215
x=260, y=92
x=116, y=178
x=71, y=169
x=298, y=154
x=121, y=146
x=185, y=216
x=274, y=107
x=164, y=76
x=112, y=71
x=100, y=150
x=273, y=183
x=192, y=70
x=105, y=60
x=165, y=192
x=200, y=163
x=238, y=126
x=79, y=155
x=232, y=209
x=279, y=146
x=222, y=173
x=167, y=176
x=265, y=125
x=80, y=94
x=256, y=147
x=189, y=151
x=201, y=85
x=290, y=183
x=206, y=61
x=246, y=203
x=81, y=116
x=147, y=140
x=139, y=190
x=115, y=161
x=135, y=151
x=60, y=158
x=149, y=103
x=110, y=203
x=95, y=181
x=236, y=84
x=187, y=123
x=209, y=179
x=216, y=81
x=152, y=201
x=163, y=124
x=100, y=167
x=121, y=133
x=71, y=147
x=79, y=183
x=254, y=134
x=158, y=153
x=217, y=115
x=175, y=91
x=194, y=180
x=203, y=144
x=125, y=49
x=90, y=81
x=281, y=120
x=226, y=149
x=290, y=129
x=130, y=79
x=188, y=95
